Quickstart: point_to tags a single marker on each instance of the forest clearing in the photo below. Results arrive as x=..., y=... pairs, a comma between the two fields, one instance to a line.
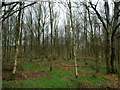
x=60, y=44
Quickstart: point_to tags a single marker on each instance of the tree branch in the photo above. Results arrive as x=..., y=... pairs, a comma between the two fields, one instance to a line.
x=99, y=16
x=6, y=4
x=3, y=19
x=115, y=29
x=9, y=11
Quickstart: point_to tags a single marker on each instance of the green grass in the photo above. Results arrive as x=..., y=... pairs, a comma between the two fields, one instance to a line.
x=88, y=69
x=60, y=72
x=57, y=82
x=94, y=80
x=81, y=63
x=102, y=65
x=45, y=68
x=51, y=82
x=34, y=66
x=60, y=78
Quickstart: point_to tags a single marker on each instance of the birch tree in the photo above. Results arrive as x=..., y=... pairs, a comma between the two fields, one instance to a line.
x=74, y=38
x=17, y=39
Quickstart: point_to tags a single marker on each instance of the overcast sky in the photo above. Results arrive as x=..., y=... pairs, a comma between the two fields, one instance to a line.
x=62, y=9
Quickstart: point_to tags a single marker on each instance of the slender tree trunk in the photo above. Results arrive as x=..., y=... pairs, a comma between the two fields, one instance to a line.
x=96, y=51
x=21, y=33
x=43, y=42
x=31, y=46
x=74, y=40
x=85, y=36
x=25, y=40
x=4, y=43
x=17, y=40
x=38, y=29
x=51, y=26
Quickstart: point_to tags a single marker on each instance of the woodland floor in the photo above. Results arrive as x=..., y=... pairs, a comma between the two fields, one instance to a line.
x=37, y=74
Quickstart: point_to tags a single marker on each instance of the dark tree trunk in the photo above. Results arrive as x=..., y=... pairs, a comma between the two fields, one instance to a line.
x=107, y=54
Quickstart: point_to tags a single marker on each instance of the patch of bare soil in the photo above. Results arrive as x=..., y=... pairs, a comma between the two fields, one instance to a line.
x=31, y=74
x=66, y=66
x=6, y=73
x=24, y=75
x=84, y=85
x=113, y=80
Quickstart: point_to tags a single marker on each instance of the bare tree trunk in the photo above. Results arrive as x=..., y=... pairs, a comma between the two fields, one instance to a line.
x=17, y=40
x=107, y=53
x=51, y=26
x=38, y=30
x=25, y=40
x=107, y=34
x=96, y=47
x=74, y=40
x=85, y=36
x=31, y=36
x=4, y=32
x=43, y=41
x=116, y=15
x=21, y=33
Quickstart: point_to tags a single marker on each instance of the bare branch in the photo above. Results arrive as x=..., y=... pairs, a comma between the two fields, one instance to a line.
x=99, y=16
x=3, y=19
